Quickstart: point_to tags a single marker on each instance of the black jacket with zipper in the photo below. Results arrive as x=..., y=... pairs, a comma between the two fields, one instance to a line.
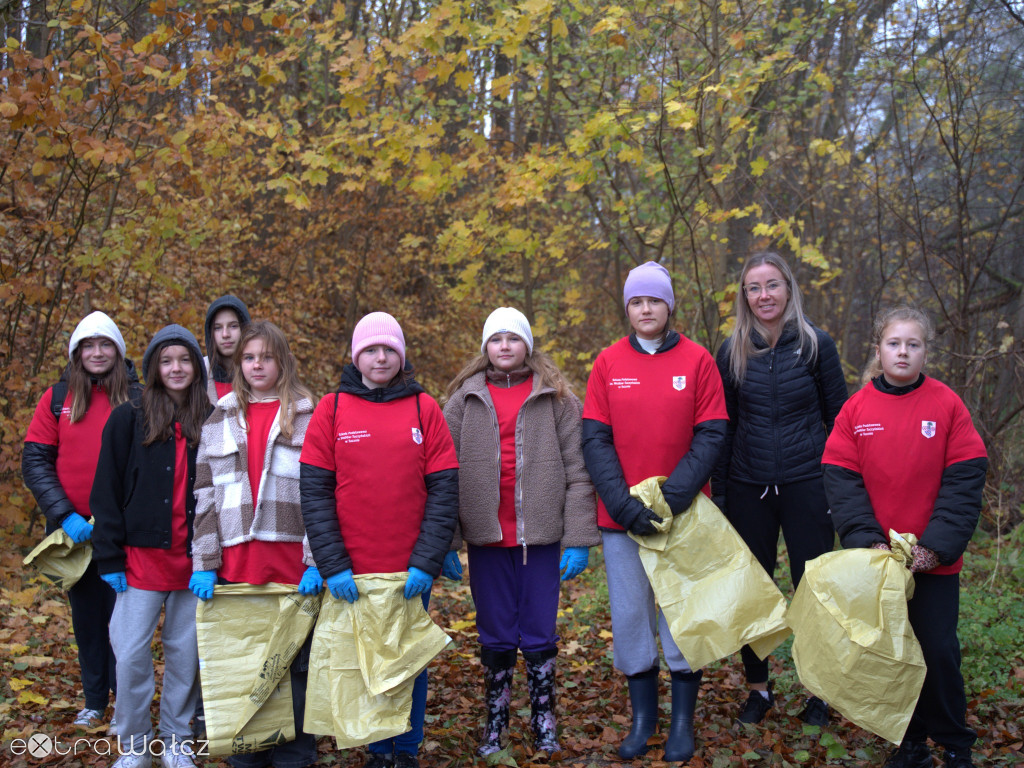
x=781, y=413
x=133, y=492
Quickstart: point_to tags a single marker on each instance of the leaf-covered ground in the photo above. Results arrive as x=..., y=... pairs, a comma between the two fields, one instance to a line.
x=39, y=691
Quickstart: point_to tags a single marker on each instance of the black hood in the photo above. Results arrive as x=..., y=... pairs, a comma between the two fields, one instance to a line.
x=405, y=386
x=224, y=302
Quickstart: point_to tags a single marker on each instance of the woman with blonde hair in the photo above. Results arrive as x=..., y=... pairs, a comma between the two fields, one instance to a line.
x=784, y=386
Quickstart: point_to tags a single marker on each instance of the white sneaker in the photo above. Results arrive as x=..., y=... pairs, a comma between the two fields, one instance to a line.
x=133, y=761
x=86, y=717
x=180, y=756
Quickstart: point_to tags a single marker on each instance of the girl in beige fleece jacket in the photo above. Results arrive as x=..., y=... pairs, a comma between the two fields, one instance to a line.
x=524, y=494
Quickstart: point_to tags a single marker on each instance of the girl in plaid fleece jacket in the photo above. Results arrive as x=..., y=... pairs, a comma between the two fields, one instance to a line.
x=248, y=525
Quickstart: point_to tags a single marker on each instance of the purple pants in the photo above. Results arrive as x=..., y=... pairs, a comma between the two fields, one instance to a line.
x=516, y=603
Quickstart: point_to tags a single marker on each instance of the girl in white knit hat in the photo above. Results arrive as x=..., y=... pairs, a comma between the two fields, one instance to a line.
x=526, y=511
x=58, y=465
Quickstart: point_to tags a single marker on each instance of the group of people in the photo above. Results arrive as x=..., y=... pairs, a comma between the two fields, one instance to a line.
x=225, y=469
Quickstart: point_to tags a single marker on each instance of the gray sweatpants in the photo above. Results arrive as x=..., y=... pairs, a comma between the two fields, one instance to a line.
x=636, y=620
x=132, y=627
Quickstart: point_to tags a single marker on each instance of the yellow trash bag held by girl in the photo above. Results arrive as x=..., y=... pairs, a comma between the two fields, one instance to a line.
x=853, y=645
x=715, y=596
x=364, y=660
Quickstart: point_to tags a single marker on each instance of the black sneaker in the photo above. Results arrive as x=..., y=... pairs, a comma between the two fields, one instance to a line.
x=960, y=758
x=406, y=760
x=815, y=712
x=910, y=754
x=757, y=707
x=379, y=760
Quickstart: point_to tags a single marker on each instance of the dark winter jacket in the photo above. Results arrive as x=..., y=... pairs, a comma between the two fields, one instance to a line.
x=319, y=511
x=39, y=460
x=780, y=414
x=682, y=486
x=133, y=492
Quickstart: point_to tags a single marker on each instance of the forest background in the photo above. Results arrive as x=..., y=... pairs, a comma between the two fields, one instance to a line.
x=438, y=158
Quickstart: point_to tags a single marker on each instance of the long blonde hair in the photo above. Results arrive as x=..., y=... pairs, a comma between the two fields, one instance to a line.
x=289, y=388
x=742, y=345
x=885, y=318
x=537, y=361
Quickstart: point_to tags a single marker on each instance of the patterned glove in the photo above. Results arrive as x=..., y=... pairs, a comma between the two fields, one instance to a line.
x=881, y=545
x=924, y=559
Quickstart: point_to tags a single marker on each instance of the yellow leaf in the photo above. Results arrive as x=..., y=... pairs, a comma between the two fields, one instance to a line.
x=758, y=167
x=604, y=634
x=458, y=626
x=34, y=661
x=179, y=138
x=558, y=28
x=8, y=108
x=17, y=683
x=13, y=43
x=31, y=697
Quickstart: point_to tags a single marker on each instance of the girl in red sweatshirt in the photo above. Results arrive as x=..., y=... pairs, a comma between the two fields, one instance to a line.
x=58, y=465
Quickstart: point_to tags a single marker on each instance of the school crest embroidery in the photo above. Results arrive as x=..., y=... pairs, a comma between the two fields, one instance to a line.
x=928, y=428
x=679, y=383
x=417, y=436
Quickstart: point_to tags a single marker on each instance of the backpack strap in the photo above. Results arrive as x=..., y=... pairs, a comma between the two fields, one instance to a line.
x=58, y=394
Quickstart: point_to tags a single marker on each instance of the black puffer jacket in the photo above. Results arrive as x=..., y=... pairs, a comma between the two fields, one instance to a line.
x=319, y=513
x=781, y=413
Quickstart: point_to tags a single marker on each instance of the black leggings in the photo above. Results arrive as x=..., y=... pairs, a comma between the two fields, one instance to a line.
x=757, y=512
x=941, y=709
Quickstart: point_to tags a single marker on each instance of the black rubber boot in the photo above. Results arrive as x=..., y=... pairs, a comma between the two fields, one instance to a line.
x=540, y=676
x=643, y=697
x=499, y=667
x=680, y=746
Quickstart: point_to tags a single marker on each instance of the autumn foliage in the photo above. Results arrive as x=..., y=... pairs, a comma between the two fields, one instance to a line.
x=438, y=158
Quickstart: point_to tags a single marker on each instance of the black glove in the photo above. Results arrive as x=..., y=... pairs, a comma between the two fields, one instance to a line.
x=643, y=523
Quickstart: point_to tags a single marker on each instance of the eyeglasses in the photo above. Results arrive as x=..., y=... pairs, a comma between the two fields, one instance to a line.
x=772, y=286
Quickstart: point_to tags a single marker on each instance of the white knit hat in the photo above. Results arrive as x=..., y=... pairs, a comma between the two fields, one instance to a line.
x=93, y=325
x=507, y=320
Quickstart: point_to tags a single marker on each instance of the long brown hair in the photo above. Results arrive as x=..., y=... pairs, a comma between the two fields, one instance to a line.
x=742, y=345
x=114, y=383
x=883, y=320
x=289, y=388
x=161, y=412
x=537, y=361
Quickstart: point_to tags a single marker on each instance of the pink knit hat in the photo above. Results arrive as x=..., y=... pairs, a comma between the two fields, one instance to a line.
x=378, y=328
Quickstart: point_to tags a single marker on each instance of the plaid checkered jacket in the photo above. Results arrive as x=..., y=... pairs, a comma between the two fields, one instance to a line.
x=224, y=511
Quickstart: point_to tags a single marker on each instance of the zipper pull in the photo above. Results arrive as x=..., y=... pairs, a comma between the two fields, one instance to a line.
x=524, y=551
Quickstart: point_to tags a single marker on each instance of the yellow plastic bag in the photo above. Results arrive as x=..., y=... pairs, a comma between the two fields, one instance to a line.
x=365, y=658
x=715, y=595
x=61, y=560
x=853, y=645
x=248, y=637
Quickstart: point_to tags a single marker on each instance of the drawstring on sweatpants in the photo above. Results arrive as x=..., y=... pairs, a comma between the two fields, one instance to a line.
x=768, y=488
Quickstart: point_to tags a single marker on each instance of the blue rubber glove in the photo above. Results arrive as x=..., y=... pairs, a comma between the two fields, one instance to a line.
x=202, y=583
x=452, y=568
x=343, y=585
x=311, y=582
x=417, y=583
x=76, y=527
x=117, y=581
x=574, y=562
